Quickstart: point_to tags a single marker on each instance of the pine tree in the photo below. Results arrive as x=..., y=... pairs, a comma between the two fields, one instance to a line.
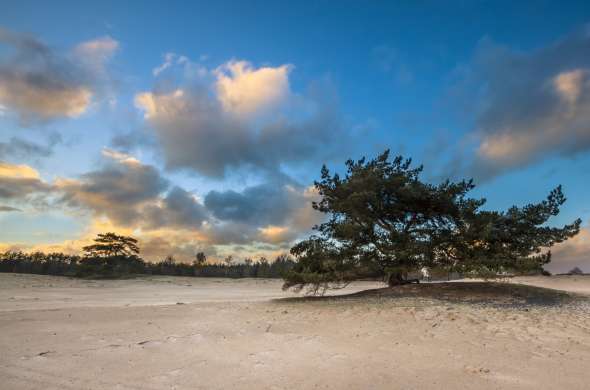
x=385, y=222
x=112, y=245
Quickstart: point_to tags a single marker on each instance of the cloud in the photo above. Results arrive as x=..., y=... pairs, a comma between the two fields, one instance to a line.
x=127, y=196
x=209, y=122
x=8, y=208
x=530, y=105
x=274, y=212
x=132, y=140
x=75, y=244
x=267, y=203
x=194, y=133
x=227, y=233
x=154, y=245
x=120, y=157
x=39, y=83
x=96, y=53
x=210, y=126
x=179, y=208
x=276, y=234
x=116, y=190
x=181, y=246
x=168, y=62
x=132, y=194
x=243, y=90
x=18, y=182
x=574, y=252
x=21, y=148
x=18, y=171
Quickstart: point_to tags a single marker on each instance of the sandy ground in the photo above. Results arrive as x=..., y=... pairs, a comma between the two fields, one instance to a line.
x=59, y=333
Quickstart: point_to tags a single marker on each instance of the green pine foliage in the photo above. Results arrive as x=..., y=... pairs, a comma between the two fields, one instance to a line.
x=384, y=222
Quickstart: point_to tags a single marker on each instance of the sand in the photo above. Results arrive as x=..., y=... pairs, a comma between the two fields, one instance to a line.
x=198, y=333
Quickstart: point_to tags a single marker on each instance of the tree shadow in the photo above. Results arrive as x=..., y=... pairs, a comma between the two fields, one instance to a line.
x=477, y=293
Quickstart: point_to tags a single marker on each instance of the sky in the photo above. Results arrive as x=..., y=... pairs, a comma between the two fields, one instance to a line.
x=201, y=126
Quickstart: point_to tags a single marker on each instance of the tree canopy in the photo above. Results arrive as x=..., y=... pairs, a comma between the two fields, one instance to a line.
x=200, y=258
x=383, y=221
x=111, y=245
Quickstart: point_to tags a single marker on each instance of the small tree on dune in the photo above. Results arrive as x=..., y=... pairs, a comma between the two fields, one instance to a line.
x=200, y=259
x=263, y=261
x=112, y=245
x=576, y=271
x=169, y=261
x=228, y=260
x=385, y=222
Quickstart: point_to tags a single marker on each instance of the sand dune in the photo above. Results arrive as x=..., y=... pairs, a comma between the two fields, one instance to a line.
x=59, y=333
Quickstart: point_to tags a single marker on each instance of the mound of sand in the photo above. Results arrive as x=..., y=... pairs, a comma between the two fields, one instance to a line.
x=488, y=293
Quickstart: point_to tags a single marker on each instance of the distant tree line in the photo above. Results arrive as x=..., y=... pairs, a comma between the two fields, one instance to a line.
x=114, y=256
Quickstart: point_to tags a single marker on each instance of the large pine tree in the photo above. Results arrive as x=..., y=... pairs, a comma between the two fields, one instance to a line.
x=383, y=221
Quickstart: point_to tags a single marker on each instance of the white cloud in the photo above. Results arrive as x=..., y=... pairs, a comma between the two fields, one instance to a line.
x=569, y=85
x=119, y=156
x=243, y=90
x=168, y=61
x=97, y=51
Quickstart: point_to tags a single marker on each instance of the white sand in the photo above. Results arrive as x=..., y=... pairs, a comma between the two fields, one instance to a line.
x=575, y=283
x=59, y=333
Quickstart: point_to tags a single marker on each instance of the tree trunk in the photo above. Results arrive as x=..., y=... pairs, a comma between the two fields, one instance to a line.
x=399, y=279
x=395, y=279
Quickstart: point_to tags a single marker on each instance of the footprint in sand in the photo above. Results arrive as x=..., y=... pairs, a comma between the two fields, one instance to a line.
x=339, y=356
x=476, y=370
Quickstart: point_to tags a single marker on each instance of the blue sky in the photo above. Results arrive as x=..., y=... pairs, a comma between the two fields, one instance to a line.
x=255, y=96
